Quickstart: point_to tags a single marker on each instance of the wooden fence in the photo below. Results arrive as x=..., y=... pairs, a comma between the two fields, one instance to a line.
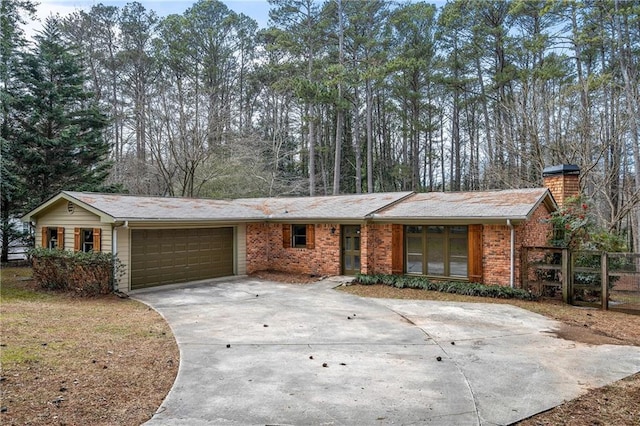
x=586, y=278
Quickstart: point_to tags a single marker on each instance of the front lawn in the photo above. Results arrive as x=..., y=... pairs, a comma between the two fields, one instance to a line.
x=80, y=361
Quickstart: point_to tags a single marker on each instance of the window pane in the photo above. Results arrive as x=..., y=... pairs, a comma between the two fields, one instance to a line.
x=414, y=229
x=414, y=245
x=347, y=243
x=356, y=261
x=87, y=240
x=299, y=235
x=459, y=230
x=414, y=264
x=435, y=230
x=356, y=243
x=435, y=253
x=458, y=267
x=53, y=238
x=458, y=251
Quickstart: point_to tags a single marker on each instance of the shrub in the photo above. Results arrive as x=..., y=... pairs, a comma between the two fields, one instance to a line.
x=454, y=287
x=84, y=274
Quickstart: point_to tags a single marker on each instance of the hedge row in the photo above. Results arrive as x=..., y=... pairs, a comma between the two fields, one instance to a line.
x=84, y=274
x=423, y=283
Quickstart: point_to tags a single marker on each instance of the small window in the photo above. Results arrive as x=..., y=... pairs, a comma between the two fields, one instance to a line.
x=87, y=240
x=52, y=238
x=299, y=236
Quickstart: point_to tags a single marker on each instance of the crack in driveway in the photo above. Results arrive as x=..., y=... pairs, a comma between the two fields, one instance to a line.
x=383, y=369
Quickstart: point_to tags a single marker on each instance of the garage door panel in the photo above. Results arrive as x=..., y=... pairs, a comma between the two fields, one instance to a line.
x=167, y=256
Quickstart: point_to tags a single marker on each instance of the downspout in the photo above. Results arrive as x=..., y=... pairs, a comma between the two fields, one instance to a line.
x=512, y=266
x=114, y=247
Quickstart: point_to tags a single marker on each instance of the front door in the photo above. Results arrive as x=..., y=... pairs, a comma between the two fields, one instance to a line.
x=350, y=249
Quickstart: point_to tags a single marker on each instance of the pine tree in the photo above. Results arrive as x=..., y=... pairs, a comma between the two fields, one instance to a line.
x=61, y=146
x=13, y=14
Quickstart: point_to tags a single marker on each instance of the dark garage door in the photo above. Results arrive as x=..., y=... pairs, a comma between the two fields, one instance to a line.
x=168, y=256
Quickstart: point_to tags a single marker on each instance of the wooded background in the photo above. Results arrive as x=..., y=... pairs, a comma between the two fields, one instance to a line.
x=343, y=96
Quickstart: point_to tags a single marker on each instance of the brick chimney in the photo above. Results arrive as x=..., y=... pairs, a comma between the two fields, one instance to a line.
x=562, y=181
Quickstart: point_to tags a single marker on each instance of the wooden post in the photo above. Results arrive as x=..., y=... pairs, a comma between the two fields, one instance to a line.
x=604, y=268
x=567, y=291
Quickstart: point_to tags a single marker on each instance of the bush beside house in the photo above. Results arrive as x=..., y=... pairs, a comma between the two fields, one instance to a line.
x=80, y=273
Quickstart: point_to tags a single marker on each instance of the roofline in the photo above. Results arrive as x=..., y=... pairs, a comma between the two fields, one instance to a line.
x=63, y=195
x=398, y=201
x=462, y=220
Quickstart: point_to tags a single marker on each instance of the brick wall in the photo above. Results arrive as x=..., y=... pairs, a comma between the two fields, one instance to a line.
x=563, y=186
x=497, y=246
x=379, y=258
x=265, y=251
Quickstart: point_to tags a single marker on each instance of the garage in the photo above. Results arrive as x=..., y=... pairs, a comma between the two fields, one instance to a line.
x=168, y=256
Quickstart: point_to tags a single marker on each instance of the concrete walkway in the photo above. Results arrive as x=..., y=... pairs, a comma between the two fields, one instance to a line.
x=262, y=353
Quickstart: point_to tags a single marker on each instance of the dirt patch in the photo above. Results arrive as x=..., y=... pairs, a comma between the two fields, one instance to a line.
x=584, y=335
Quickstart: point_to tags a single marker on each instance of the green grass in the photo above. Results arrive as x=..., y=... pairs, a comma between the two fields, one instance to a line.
x=13, y=285
x=17, y=355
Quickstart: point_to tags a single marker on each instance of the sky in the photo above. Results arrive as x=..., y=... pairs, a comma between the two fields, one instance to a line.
x=256, y=9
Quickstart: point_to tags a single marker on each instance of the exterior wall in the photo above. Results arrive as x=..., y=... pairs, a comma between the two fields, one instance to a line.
x=241, y=249
x=257, y=247
x=59, y=216
x=265, y=251
x=496, y=251
x=123, y=253
x=380, y=254
x=563, y=187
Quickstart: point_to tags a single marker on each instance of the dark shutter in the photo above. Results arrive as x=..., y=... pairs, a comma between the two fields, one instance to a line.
x=311, y=237
x=96, y=239
x=475, y=253
x=286, y=236
x=397, y=249
x=45, y=237
x=76, y=239
x=61, y=237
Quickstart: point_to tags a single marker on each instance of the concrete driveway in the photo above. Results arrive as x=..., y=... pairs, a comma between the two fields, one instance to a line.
x=263, y=353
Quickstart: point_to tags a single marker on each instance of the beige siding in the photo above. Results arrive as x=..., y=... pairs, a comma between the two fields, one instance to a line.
x=123, y=252
x=59, y=216
x=241, y=249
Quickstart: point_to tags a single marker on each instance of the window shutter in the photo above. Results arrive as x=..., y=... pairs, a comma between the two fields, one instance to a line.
x=76, y=239
x=286, y=236
x=96, y=239
x=45, y=237
x=61, y=238
x=475, y=253
x=311, y=237
x=397, y=249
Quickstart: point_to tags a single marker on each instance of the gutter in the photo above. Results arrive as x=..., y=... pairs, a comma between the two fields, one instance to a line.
x=512, y=266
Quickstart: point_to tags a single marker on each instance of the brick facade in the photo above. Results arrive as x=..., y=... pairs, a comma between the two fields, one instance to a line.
x=496, y=251
x=265, y=251
x=380, y=249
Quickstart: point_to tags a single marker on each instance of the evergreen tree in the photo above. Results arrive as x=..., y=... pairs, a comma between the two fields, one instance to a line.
x=61, y=145
x=13, y=14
